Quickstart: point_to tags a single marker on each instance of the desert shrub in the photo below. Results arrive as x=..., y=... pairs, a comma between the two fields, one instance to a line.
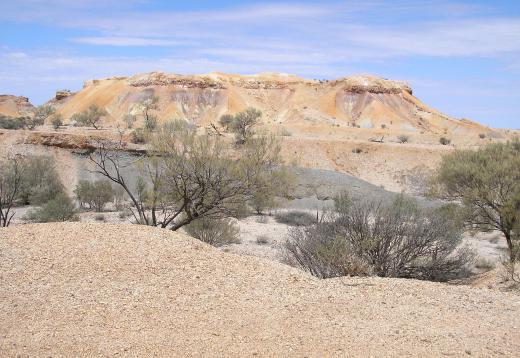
x=383, y=126
x=216, y=232
x=57, y=121
x=403, y=139
x=226, y=120
x=482, y=136
x=41, y=113
x=129, y=120
x=11, y=180
x=357, y=150
x=370, y=238
x=90, y=117
x=444, y=141
x=95, y=194
x=119, y=197
x=262, y=240
x=61, y=208
x=41, y=181
x=7, y=122
x=138, y=136
x=150, y=123
x=99, y=217
x=295, y=218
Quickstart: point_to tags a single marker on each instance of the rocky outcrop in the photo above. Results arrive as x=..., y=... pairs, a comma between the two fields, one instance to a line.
x=15, y=106
x=61, y=94
x=163, y=79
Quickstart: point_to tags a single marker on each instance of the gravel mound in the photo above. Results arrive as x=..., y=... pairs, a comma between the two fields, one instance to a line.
x=78, y=289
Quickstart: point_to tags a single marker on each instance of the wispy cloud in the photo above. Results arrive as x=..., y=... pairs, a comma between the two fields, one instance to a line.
x=315, y=39
x=125, y=41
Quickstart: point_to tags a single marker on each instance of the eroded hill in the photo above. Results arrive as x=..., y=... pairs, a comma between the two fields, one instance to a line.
x=360, y=101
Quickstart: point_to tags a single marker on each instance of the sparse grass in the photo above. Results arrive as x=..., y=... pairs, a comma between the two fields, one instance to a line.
x=262, y=240
x=295, y=218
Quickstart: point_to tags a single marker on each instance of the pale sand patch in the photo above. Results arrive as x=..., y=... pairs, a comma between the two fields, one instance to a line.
x=86, y=289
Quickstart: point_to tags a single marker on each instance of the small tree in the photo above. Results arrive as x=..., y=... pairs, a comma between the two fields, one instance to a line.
x=243, y=123
x=57, y=121
x=148, y=106
x=41, y=113
x=11, y=177
x=95, y=194
x=90, y=117
x=189, y=177
x=487, y=183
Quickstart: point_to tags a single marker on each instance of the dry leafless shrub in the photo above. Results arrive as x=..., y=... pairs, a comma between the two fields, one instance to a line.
x=396, y=240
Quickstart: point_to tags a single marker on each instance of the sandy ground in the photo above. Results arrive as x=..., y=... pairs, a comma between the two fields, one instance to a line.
x=85, y=289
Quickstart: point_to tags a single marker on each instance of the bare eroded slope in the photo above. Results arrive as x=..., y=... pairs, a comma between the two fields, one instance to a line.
x=79, y=289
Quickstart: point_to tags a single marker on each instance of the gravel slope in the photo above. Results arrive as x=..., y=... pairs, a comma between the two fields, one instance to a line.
x=79, y=289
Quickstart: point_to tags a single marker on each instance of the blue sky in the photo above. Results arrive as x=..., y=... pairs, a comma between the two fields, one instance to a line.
x=461, y=57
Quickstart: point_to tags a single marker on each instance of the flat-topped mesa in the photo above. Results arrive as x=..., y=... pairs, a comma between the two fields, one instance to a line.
x=217, y=80
x=361, y=84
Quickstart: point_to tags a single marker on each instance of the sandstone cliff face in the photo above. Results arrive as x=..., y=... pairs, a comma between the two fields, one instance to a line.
x=359, y=101
x=15, y=106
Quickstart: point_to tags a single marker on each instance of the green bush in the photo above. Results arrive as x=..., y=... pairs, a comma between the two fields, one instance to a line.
x=295, y=218
x=41, y=180
x=7, y=122
x=61, y=208
x=216, y=232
